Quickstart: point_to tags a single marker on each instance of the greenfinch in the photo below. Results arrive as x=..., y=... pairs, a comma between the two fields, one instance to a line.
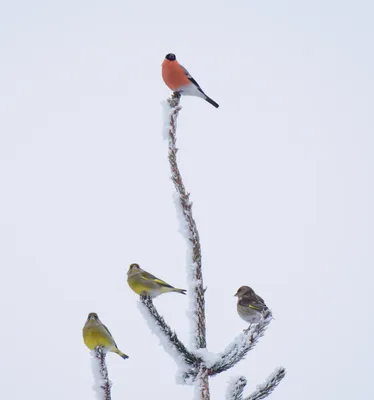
x=142, y=282
x=251, y=307
x=95, y=334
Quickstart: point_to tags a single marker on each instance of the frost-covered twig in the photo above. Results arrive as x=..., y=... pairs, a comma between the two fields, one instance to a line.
x=193, y=234
x=204, y=364
x=100, y=372
x=235, y=388
x=195, y=281
x=266, y=388
x=239, y=348
x=179, y=350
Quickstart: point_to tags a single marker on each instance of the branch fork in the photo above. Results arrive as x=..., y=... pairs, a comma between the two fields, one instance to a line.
x=195, y=367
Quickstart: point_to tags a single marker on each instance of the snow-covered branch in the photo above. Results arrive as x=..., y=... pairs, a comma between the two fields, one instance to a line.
x=239, y=348
x=100, y=372
x=168, y=338
x=266, y=388
x=235, y=388
x=196, y=289
x=194, y=269
x=200, y=363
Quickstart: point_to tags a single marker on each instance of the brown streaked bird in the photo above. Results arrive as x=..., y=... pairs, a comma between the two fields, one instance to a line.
x=251, y=307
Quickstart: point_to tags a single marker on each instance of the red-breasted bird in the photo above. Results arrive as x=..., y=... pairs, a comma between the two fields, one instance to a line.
x=178, y=79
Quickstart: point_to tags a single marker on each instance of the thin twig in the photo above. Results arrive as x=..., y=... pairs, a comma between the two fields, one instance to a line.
x=236, y=388
x=264, y=390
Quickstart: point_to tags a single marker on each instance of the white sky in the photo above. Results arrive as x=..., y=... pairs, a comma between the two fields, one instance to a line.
x=281, y=178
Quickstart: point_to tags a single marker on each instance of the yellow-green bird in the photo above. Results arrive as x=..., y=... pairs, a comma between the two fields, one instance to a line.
x=95, y=333
x=142, y=282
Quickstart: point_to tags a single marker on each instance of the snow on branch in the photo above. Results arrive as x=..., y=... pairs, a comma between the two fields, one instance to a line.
x=102, y=384
x=235, y=388
x=200, y=363
x=195, y=281
x=239, y=348
x=266, y=388
x=187, y=362
x=194, y=269
x=149, y=310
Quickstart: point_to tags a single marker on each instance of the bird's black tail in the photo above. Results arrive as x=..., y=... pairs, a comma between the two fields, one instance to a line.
x=183, y=291
x=212, y=102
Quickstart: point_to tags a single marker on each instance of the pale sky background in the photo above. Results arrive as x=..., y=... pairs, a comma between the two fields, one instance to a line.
x=281, y=176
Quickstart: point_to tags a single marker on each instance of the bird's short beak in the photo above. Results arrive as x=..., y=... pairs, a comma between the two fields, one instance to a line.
x=236, y=294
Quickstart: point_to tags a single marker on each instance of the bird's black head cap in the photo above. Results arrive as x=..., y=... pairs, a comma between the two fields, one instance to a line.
x=171, y=57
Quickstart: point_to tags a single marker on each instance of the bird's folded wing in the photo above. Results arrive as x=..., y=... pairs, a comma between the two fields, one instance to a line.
x=256, y=306
x=252, y=303
x=261, y=303
x=149, y=277
x=109, y=334
x=192, y=80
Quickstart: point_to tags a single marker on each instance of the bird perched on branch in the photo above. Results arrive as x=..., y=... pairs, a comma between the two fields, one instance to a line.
x=178, y=79
x=251, y=307
x=142, y=282
x=95, y=333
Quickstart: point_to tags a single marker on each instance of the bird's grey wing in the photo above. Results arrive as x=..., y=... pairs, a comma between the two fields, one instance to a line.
x=150, y=277
x=253, y=302
x=259, y=302
x=192, y=79
x=245, y=301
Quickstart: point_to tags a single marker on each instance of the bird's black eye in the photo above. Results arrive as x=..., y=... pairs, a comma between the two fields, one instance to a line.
x=170, y=57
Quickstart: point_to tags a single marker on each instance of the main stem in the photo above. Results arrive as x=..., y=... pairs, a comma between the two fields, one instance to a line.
x=106, y=385
x=198, y=294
